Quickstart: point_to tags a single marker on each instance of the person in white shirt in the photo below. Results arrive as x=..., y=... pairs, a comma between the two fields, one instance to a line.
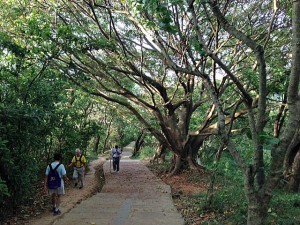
x=59, y=190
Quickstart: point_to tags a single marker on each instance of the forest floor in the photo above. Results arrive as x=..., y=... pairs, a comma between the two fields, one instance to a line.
x=183, y=187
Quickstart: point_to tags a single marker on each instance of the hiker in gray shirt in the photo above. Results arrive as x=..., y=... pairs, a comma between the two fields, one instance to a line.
x=116, y=153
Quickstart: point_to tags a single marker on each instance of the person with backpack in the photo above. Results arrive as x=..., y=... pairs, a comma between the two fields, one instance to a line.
x=116, y=153
x=78, y=163
x=54, y=182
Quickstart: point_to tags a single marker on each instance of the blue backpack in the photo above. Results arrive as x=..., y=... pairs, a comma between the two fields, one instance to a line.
x=54, y=181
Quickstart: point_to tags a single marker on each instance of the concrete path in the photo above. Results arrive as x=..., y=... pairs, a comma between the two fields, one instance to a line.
x=134, y=196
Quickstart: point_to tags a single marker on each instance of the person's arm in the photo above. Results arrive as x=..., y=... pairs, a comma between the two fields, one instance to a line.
x=83, y=161
x=119, y=151
x=64, y=174
x=66, y=179
x=72, y=164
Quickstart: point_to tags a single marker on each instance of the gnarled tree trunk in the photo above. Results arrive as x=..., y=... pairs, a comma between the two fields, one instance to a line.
x=257, y=210
x=138, y=143
x=192, y=148
x=159, y=154
x=295, y=174
x=96, y=144
x=179, y=163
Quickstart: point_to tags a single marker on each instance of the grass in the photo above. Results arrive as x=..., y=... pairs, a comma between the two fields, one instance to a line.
x=284, y=208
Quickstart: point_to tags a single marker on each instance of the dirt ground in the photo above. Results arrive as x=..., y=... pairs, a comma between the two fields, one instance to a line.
x=182, y=187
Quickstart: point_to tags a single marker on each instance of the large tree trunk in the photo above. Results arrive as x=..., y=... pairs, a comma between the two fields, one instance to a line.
x=295, y=175
x=138, y=143
x=186, y=158
x=160, y=153
x=96, y=144
x=192, y=147
x=257, y=201
x=179, y=163
x=291, y=152
x=291, y=164
x=257, y=211
x=106, y=141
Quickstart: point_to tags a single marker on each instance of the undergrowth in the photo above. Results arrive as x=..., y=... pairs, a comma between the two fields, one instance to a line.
x=228, y=204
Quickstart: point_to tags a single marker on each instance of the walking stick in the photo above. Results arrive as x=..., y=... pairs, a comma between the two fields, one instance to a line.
x=110, y=163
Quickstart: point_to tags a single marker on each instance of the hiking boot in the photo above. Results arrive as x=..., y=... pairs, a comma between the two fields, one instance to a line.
x=80, y=187
x=57, y=212
x=53, y=209
x=75, y=185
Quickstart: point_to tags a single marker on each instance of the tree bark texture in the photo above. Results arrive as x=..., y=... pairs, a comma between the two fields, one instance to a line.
x=159, y=154
x=295, y=175
x=96, y=144
x=138, y=143
x=257, y=211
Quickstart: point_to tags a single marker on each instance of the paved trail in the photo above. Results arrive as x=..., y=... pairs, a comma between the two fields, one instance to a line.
x=134, y=196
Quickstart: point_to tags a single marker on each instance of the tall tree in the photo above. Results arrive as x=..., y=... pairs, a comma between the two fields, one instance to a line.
x=259, y=192
x=150, y=63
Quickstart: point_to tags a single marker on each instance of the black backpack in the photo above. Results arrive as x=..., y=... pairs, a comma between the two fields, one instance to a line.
x=76, y=160
x=54, y=181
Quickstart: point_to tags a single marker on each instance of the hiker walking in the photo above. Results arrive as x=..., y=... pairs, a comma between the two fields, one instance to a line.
x=78, y=162
x=116, y=153
x=54, y=182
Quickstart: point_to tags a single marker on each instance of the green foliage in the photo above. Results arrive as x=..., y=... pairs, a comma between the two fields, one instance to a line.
x=229, y=206
x=3, y=190
x=198, y=116
x=37, y=118
x=19, y=169
x=284, y=208
x=268, y=141
x=162, y=15
x=197, y=46
x=23, y=173
x=227, y=170
x=90, y=156
x=7, y=43
x=146, y=152
x=130, y=133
